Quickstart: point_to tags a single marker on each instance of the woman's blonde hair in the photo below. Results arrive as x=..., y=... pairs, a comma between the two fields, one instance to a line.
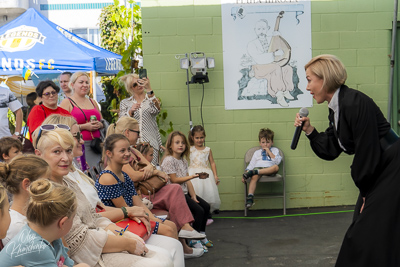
x=330, y=69
x=70, y=121
x=60, y=119
x=170, y=139
x=127, y=80
x=121, y=125
x=3, y=197
x=49, y=202
x=74, y=77
x=27, y=166
x=59, y=136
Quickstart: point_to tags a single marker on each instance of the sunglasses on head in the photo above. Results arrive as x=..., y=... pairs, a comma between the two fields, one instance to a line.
x=50, y=127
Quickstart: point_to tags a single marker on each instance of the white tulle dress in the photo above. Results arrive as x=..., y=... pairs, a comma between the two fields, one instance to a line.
x=204, y=188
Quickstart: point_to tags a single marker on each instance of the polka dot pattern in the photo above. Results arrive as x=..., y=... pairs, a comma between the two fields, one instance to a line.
x=108, y=192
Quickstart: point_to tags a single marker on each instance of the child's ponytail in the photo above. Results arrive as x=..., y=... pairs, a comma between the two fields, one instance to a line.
x=22, y=167
x=3, y=197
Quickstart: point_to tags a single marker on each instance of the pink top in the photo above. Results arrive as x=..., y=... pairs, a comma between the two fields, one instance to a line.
x=80, y=118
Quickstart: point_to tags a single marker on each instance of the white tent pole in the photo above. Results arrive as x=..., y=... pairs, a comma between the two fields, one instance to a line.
x=392, y=57
x=93, y=76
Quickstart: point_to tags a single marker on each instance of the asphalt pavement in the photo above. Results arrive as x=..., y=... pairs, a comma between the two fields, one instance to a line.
x=302, y=238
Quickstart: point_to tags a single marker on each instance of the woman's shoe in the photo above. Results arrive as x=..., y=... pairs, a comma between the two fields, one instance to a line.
x=208, y=244
x=198, y=244
x=191, y=234
x=197, y=252
x=209, y=221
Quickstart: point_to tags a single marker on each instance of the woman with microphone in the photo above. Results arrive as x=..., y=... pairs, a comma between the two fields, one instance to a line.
x=357, y=126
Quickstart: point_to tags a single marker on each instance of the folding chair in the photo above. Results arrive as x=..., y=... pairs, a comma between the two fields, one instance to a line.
x=279, y=177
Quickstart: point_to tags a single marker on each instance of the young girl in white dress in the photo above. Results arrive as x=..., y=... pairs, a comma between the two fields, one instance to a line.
x=201, y=159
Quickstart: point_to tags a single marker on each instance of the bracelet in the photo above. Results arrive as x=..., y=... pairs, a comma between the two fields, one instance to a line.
x=125, y=212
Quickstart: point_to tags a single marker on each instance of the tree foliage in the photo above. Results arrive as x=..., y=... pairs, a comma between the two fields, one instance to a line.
x=121, y=33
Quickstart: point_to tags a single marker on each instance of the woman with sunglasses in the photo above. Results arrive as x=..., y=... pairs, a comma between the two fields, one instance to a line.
x=86, y=185
x=48, y=92
x=86, y=112
x=144, y=107
x=170, y=197
x=93, y=239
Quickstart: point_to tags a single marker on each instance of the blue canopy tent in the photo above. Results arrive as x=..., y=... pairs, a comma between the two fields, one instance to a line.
x=34, y=42
x=31, y=40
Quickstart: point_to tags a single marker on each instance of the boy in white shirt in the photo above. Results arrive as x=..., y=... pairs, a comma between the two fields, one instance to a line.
x=265, y=161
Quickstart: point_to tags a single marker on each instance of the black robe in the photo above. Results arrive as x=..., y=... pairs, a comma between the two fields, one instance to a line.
x=373, y=238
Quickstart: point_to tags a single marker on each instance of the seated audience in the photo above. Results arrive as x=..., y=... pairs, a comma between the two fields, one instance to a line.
x=50, y=212
x=86, y=184
x=93, y=239
x=170, y=197
x=175, y=165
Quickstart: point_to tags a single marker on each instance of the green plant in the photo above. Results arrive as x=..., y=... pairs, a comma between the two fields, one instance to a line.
x=121, y=33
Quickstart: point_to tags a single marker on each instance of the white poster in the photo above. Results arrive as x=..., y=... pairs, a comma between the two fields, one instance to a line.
x=265, y=47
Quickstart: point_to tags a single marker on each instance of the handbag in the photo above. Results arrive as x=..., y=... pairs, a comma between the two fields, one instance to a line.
x=96, y=143
x=151, y=185
x=137, y=228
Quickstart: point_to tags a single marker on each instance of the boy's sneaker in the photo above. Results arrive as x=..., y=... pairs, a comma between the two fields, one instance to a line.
x=249, y=201
x=247, y=174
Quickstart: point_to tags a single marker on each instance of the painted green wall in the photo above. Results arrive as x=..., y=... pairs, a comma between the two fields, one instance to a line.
x=358, y=31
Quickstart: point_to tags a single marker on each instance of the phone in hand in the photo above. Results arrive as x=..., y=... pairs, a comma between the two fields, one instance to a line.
x=142, y=73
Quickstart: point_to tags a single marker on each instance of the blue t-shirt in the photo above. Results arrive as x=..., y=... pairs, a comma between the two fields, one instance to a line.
x=108, y=192
x=28, y=248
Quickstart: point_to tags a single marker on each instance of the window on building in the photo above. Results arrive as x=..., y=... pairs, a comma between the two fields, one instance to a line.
x=91, y=35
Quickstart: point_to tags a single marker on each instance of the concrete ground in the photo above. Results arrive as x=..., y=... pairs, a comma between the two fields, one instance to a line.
x=302, y=238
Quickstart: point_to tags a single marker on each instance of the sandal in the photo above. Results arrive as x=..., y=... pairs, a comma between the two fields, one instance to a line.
x=198, y=244
x=208, y=244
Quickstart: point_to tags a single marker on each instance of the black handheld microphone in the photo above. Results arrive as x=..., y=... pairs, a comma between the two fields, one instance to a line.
x=303, y=113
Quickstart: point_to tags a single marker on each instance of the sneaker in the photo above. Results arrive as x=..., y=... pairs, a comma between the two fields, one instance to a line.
x=197, y=252
x=249, y=201
x=191, y=234
x=209, y=221
x=247, y=175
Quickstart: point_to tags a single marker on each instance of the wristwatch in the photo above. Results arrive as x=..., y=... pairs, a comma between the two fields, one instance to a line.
x=16, y=133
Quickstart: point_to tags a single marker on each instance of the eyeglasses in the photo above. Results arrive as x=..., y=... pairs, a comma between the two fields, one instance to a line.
x=49, y=93
x=78, y=136
x=134, y=85
x=138, y=132
x=50, y=127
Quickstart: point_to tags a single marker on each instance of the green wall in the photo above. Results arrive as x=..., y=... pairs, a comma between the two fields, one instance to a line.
x=358, y=31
